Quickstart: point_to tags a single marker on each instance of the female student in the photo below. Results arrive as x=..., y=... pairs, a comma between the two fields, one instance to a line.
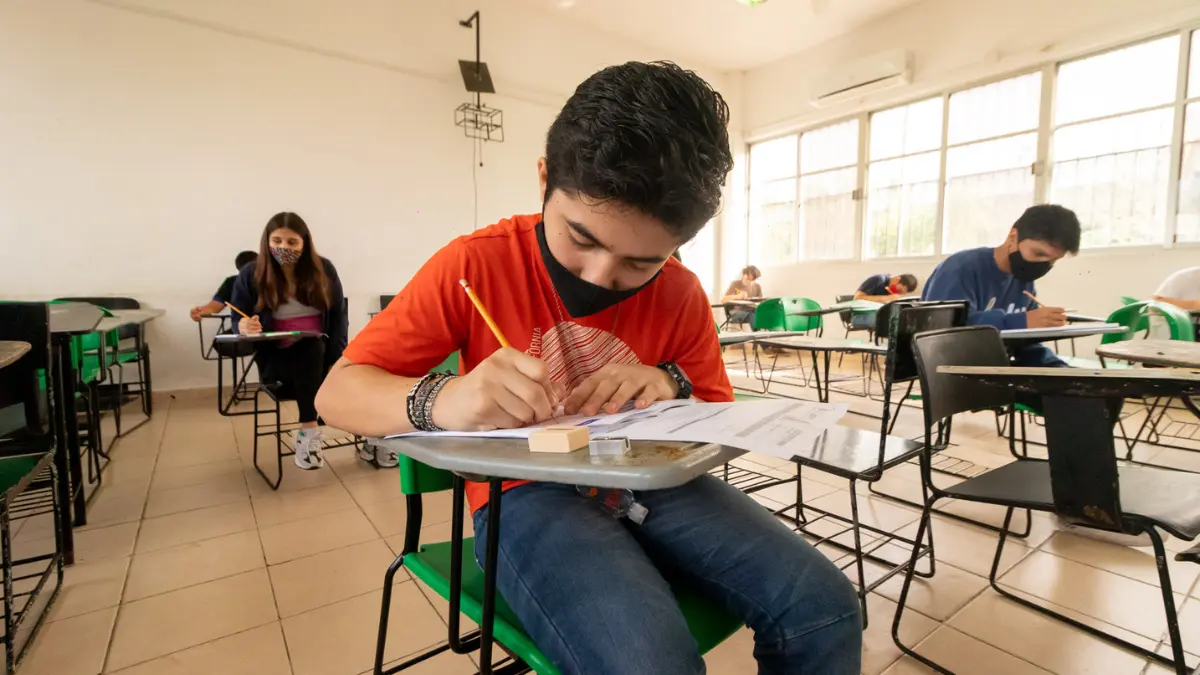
x=290, y=287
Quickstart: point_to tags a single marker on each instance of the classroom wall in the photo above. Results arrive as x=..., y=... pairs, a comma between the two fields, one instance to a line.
x=956, y=43
x=143, y=143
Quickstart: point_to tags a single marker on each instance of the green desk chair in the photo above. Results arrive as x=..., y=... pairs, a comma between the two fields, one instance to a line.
x=1178, y=321
x=770, y=315
x=1126, y=300
x=804, y=324
x=432, y=563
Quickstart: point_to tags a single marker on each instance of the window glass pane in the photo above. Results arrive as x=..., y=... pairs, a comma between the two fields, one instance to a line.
x=827, y=213
x=1187, y=226
x=1003, y=153
x=1194, y=67
x=829, y=147
x=995, y=109
x=774, y=159
x=1121, y=198
x=699, y=255
x=773, y=222
x=1117, y=134
x=1133, y=78
x=901, y=206
x=906, y=130
x=988, y=185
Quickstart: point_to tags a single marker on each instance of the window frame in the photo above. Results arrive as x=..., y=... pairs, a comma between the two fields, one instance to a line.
x=1042, y=167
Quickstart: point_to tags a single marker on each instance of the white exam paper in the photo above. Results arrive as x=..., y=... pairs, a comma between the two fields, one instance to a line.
x=777, y=427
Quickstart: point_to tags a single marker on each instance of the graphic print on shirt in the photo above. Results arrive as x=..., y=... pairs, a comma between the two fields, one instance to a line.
x=572, y=352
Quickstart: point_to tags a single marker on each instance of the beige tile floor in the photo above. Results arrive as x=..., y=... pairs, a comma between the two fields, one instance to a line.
x=190, y=565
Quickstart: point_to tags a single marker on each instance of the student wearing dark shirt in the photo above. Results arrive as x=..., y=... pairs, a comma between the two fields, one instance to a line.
x=746, y=288
x=994, y=280
x=885, y=287
x=224, y=294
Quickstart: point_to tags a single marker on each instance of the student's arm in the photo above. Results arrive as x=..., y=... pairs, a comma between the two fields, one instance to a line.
x=957, y=284
x=882, y=299
x=211, y=307
x=246, y=299
x=698, y=350
x=366, y=392
x=733, y=293
x=1179, y=302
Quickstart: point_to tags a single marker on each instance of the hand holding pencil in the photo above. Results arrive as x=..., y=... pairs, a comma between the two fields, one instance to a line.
x=508, y=389
x=247, y=325
x=1043, y=316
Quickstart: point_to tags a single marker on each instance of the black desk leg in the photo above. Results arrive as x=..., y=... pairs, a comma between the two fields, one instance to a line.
x=817, y=376
x=62, y=422
x=495, y=491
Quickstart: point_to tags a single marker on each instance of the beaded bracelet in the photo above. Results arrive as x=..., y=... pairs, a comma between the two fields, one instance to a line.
x=420, y=399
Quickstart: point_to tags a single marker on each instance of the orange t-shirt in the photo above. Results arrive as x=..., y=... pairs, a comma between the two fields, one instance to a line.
x=668, y=320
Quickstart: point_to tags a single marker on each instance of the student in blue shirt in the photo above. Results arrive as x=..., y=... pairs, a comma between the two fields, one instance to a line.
x=885, y=287
x=994, y=280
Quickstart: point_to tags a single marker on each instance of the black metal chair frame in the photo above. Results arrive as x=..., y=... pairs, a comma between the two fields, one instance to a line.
x=899, y=366
x=479, y=639
x=1081, y=478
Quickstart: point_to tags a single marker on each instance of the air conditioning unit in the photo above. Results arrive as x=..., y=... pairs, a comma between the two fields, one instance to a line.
x=861, y=77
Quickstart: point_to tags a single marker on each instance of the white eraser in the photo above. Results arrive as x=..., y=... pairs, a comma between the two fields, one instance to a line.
x=559, y=439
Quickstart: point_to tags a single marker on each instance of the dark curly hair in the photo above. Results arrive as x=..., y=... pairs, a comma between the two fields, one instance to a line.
x=1052, y=224
x=648, y=135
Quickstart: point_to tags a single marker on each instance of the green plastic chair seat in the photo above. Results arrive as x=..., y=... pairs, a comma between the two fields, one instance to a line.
x=1021, y=407
x=14, y=469
x=709, y=623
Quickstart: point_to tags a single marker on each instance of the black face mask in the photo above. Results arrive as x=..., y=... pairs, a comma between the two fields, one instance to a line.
x=580, y=298
x=1025, y=270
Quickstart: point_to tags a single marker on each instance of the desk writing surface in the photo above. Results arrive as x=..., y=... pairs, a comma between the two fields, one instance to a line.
x=652, y=466
x=74, y=317
x=1075, y=330
x=11, y=351
x=1104, y=382
x=128, y=317
x=268, y=336
x=819, y=344
x=1170, y=353
x=738, y=337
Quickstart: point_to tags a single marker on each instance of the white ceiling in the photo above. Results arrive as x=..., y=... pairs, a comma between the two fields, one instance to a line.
x=723, y=33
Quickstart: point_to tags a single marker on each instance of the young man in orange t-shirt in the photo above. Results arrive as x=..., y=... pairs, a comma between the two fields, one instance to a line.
x=598, y=314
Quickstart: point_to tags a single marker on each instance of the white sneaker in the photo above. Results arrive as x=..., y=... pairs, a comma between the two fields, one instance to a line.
x=308, y=449
x=384, y=458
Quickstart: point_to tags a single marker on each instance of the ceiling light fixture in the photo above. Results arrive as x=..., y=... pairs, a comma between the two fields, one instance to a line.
x=750, y=3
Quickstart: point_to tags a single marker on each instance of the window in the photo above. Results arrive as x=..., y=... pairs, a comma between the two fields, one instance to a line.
x=828, y=179
x=699, y=255
x=992, y=147
x=1187, y=225
x=773, y=231
x=902, y=180
x=1112, y=142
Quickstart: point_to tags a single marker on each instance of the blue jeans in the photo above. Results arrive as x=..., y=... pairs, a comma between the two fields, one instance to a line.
x=590, y=591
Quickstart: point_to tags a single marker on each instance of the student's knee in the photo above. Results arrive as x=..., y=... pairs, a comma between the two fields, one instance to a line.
x=825, y=607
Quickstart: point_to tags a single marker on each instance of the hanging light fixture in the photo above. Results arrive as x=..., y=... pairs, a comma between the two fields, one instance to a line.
x=478, y=120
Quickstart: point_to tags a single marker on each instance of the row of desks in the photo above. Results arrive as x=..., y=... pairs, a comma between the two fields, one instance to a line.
x=68, y=320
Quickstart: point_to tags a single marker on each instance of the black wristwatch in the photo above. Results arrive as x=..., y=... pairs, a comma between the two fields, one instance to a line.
x=680, y=377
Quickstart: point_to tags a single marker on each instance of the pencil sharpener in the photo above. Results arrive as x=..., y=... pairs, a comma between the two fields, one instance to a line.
x=609, y=447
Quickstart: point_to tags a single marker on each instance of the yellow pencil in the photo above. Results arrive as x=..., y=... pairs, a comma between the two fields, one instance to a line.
x=1033, y=297
x=230, y=306
x=483, y=312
